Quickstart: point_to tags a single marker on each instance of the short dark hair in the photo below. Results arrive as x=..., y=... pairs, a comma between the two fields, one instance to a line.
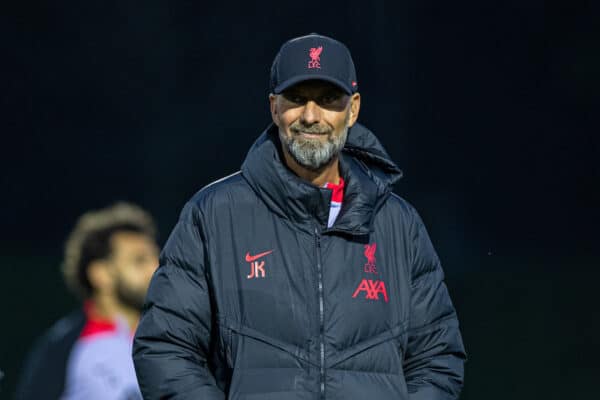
x=90, y=240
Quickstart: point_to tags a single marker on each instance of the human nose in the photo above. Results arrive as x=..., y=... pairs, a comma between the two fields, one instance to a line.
x=152, y=265
x=311, y=113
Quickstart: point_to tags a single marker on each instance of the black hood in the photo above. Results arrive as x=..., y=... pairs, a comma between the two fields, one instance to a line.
x=368, y=172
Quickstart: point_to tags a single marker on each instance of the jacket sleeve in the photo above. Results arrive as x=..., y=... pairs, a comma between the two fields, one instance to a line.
x=435, y=356
x=172, y=341
x=44, y=372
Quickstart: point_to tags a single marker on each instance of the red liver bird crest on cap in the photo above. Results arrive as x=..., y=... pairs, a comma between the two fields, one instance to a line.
x=315, y=57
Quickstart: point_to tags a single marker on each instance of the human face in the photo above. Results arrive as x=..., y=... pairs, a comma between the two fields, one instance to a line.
x=313, y=118
x=134, y=259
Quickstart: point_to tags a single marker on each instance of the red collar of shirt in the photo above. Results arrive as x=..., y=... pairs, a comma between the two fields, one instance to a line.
x=337, y=194
x=95, y=323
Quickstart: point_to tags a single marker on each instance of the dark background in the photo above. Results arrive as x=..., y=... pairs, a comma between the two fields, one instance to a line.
x=487, y=106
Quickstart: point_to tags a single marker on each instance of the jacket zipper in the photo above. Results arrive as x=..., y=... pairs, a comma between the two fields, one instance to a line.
x=321, y=314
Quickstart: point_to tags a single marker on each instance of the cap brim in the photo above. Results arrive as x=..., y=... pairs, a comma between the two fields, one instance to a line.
x=311, y=77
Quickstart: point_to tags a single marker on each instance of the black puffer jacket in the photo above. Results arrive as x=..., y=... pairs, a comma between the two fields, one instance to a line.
x=256, y=299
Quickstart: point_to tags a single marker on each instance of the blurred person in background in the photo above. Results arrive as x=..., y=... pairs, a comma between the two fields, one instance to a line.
x=109, y=259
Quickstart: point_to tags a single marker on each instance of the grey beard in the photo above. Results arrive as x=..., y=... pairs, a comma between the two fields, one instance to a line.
x=313, y=154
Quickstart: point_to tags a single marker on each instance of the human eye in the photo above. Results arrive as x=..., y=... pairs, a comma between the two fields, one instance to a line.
x=294, y=98
x=330, y=98
x=139, y=259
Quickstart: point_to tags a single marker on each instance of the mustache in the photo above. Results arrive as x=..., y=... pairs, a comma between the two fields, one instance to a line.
x=298, y=127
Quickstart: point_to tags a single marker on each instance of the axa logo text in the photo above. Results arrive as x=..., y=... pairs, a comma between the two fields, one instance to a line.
x=372, y=289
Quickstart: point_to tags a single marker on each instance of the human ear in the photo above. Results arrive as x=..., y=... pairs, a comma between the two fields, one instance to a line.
x=99, y=276
x=273, y=107
x=354, y=108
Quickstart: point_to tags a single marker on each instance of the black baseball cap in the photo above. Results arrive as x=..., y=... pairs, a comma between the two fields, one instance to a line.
x=311, y=57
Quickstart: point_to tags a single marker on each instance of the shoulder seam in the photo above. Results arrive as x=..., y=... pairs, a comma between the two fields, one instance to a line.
x=214, y=186
x=220, y=180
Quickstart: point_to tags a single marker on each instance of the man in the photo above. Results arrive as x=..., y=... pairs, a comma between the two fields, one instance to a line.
x=302, y=276
x=109, y=259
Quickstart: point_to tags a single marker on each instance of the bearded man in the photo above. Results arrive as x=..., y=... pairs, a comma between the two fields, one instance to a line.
x=110, y=257
x=302, y=276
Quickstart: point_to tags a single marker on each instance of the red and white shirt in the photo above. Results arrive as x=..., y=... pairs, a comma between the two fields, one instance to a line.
x=100, y=366
x=337, y=198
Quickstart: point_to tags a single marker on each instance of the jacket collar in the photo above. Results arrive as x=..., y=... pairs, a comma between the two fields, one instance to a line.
x=367, y=170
